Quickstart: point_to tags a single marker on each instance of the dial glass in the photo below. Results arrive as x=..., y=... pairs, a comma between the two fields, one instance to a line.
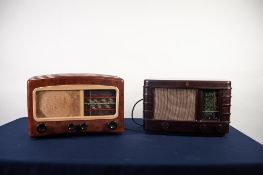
x=99, y=102
x=210, y=105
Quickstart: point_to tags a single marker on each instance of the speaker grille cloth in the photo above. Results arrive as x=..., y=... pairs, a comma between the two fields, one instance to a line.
x=174, y=104
x=57, y=103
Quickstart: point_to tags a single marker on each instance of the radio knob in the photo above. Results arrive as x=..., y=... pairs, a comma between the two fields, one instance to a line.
x=203, y=127
x=112, y=125
x=41, y=128
x=83, y=126
x=71, y=127
x=165, y=125
x=220, y=129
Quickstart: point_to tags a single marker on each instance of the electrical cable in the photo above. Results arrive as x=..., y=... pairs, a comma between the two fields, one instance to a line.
x=132, y=113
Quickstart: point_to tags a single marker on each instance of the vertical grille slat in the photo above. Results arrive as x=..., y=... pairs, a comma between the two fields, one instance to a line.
x=174, y=104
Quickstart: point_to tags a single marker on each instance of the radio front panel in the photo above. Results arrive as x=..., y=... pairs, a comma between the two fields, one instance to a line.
x=75, y=102
x=187, y=106
x=183, y=104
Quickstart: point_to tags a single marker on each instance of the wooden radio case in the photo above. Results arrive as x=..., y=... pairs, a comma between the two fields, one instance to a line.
x=75, y=104
x=182, y=106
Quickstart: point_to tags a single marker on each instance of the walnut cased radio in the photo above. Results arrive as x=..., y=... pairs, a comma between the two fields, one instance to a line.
x=75, y=103
x=181, y=106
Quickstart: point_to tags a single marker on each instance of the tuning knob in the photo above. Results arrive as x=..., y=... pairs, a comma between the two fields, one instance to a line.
x=203, y=127
x=220, y=129
x=165, y=125
x=71, y=127
x=41, y=128
x=112, y=125
x=83, y=126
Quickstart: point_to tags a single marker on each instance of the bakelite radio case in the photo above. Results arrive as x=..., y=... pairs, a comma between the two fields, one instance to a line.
x=75, y=104
x=187, y=107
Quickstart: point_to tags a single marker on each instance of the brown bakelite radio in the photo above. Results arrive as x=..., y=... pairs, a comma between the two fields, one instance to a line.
x=75, y=104
x=179, y=106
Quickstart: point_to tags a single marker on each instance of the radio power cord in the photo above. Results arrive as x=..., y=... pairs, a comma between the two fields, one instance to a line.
x=134, y=121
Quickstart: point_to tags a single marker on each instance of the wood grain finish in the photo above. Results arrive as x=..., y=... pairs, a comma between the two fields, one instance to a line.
x=172, y=119
x=61, y=127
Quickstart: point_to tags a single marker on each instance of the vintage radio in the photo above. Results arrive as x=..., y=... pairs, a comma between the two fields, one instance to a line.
x=173, y=106
x=75, y=103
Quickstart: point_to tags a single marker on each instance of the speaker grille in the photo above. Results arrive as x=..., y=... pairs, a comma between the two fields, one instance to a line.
x=57, y=103
x=174, y=104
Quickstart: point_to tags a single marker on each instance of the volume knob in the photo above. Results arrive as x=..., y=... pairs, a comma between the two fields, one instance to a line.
x=165, y=125
x=41, y=128
x=83, y=126
x=71, y=127
x=203, y=127
x=112, y=125
x=220, y=129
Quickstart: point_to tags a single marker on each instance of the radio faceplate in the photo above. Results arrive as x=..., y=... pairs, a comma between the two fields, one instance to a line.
x=75, y=103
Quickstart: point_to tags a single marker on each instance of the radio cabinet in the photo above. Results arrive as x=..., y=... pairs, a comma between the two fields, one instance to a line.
x=75, y=104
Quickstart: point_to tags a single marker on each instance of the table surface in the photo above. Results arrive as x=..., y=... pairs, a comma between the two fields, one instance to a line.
x=133, y=152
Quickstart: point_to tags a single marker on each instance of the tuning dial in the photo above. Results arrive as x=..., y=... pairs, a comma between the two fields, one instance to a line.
x=71, y=127
x=83, y=126
x=41, y=128
x=112, y=125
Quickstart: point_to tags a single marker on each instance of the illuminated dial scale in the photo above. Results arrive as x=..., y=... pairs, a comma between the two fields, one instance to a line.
x=99, y=102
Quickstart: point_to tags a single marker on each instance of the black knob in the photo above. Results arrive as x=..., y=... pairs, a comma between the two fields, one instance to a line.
x=203, y=127
x=165, y=125
x=220, y=129
x=112, y=125
x=71, y=127
x=83, y=126
x=41, y=128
